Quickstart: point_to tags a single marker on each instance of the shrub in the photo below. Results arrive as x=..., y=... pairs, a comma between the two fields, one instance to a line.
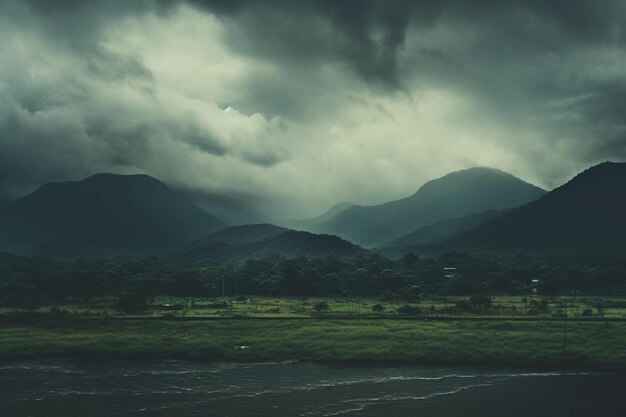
x=463, y=306
x=321, y=306
x=219, y=305
x=409, y=310
x=132, y=302
x=480, y=301
x=539, y=306
x=378, y=308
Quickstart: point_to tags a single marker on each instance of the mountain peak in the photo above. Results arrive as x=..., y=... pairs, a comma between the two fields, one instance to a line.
x=102, y=215
x=108, y=176
x=605, y=169
x=585, y=213
x=461, y=193
x=475, y=176
x=103, y=180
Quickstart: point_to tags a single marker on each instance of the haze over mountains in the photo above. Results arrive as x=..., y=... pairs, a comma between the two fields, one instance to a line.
x=478, y=209
x=309, y=224
x=460, y=193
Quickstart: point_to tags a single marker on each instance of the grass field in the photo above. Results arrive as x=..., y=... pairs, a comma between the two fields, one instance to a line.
x=588, y=344
x=361, y=335
x=504, y=306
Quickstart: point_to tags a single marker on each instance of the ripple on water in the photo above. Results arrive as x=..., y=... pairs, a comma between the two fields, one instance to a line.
x=43, y=388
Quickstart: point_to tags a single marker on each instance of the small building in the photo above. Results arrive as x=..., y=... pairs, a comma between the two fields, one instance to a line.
x=449, y=272
x=534, y=284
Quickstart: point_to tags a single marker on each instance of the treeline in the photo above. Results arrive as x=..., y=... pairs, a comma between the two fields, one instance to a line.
x=32, y=281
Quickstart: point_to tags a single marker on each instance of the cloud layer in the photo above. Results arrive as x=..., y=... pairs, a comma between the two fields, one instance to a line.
x=290, y=106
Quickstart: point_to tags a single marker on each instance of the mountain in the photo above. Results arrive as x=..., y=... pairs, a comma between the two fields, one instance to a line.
x=443, y=229
x=291, y=244
x=308, y=224
x=458, y=194
x=240, y=234
x=587, y=213
x=103, y=215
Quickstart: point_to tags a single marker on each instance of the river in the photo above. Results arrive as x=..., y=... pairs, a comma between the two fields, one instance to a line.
x=179, y=388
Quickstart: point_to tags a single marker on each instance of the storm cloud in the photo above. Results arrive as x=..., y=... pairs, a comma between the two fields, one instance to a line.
x=287, y=107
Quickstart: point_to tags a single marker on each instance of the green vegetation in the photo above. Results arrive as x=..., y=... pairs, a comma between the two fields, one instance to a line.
x=136, y=304
x=452, y=329
x=589, y=344
x=451, y=308
x=32, y=282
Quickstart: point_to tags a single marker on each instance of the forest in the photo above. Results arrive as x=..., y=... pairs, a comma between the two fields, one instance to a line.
x=30, y=282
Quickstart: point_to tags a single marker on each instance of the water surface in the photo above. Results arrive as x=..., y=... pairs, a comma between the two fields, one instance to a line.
x=178, y=388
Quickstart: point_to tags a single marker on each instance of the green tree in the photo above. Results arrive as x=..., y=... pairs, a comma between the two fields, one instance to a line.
x=132, y=302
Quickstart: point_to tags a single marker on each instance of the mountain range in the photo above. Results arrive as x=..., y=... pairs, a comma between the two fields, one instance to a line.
x=478, y=209
x=458, y=194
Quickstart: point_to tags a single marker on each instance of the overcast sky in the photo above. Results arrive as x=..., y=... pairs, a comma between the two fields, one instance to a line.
x=292, y=106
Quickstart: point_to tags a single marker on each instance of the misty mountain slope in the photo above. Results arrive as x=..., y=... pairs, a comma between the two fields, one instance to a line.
x=309, y=224
x=458, y=194
x=230, y=210
x=587, y=213
x=443, y=229
x=248, y=233
x=103, y=215
x=290, y=244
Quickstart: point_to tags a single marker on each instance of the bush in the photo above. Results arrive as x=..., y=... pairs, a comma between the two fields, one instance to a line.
x=587, y=312
x=409, y=310
x=463, y=306
x=132, y=302
x=378, y=308
x=219, y=305
x=321, y=306
x=539, y=306
x=480, y=301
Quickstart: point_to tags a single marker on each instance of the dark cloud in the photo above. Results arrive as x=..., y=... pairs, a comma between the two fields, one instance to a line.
x=365, y=35
x=327, y=100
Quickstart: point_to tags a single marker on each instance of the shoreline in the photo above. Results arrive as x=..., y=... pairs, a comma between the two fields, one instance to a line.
x=531, y=367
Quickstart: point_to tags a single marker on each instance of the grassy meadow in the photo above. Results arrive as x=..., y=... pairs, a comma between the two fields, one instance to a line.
x=343, y=331
x=539, y=343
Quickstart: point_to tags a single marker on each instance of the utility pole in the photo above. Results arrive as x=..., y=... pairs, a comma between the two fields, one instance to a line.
x=565, y=329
